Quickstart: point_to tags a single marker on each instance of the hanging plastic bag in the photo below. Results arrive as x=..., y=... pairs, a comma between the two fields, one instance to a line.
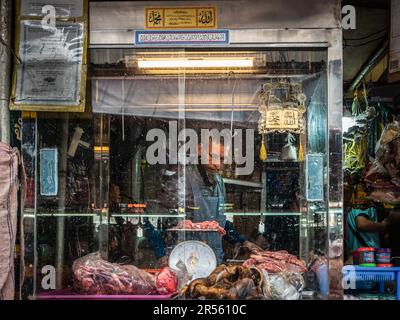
x=277, y=287
x=289, y=151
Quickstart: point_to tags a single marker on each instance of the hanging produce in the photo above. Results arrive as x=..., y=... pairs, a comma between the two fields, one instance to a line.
x=301, y=152
x=355, y=106
x=263, y=150
x=383, y=174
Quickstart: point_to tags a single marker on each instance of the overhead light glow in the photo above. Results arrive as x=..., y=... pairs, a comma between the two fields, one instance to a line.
x=196, y=63
x=347, y=123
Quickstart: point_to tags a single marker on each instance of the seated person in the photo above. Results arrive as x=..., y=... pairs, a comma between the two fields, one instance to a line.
x=364, y=229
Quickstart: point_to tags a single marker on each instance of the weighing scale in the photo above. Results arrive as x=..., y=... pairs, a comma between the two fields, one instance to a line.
x=198, y=258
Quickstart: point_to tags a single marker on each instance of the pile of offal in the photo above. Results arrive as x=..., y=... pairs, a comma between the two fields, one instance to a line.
x=265, y=275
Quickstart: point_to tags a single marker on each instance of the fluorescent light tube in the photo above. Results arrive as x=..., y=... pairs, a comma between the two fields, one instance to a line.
x=193, y=63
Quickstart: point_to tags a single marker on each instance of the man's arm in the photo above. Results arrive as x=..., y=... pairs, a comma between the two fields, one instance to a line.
x=365, y=225
x=155, y=239
x=231, y=234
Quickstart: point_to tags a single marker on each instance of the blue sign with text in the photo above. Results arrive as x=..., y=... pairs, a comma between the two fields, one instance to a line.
x=182, y=37
x=48, y=172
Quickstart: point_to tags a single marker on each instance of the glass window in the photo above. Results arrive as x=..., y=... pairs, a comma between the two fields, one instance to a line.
x=192, y=159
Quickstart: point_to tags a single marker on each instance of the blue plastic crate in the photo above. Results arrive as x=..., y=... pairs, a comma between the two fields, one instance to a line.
x=373, y=274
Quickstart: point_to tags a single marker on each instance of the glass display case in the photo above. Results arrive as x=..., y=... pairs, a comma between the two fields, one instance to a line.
x=131, y=180
x=202, y=172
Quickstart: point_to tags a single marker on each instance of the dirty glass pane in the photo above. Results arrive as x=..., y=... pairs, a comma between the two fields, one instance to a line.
x=277, y=106
x=187, y=163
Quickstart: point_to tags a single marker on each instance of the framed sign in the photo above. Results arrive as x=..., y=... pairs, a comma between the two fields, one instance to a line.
x=283, y=119
x=182, y=37
x=181, y=18
x=51, y=69
x=48, y=172
x=315, y=177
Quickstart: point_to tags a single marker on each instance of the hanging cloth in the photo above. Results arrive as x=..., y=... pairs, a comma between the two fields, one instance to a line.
x=9, y=158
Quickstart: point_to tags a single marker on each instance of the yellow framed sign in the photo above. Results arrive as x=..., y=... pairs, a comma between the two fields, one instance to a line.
x=51, y=67
x=181, y=18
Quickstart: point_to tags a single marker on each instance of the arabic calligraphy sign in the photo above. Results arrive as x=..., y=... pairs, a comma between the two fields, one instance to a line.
x=181, y=37
x=181, y=18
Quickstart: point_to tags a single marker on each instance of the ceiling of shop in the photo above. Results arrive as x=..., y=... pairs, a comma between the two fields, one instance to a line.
x=372, y=26
x=382, y=4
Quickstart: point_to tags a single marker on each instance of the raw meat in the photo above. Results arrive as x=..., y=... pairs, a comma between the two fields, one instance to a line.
x=383, y=173
x=204, y=225
x=166, y=281
x=252, y=247
x=276, y=261
x=271, y=267
x=93, y=275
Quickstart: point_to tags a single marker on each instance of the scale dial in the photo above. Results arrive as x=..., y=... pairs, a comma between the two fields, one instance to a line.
x=198, y=258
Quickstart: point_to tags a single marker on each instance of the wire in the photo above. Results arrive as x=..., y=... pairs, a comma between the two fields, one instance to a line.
x=123, y=109
x=365, y=37
x=232, y=102
x=365, y=43
x=9, y=49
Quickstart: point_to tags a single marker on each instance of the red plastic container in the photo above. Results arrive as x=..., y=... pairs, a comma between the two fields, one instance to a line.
x=383, y=256
x=384, y=265
x=366, y=257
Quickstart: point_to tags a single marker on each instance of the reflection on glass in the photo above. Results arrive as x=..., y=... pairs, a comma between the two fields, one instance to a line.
x=172, y=154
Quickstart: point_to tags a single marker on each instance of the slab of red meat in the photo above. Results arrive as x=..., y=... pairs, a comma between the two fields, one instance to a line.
x=185, y=224
x=276, y=261
x=204, y=225
x=271, y=267
x=166, y=281
x=252, y=247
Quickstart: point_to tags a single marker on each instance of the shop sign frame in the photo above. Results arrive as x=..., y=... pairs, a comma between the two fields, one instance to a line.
x=181, y=37
x=164, y=18
x=18, y=99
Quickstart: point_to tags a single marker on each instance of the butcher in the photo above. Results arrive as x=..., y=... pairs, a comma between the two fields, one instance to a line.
x=204, y=199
